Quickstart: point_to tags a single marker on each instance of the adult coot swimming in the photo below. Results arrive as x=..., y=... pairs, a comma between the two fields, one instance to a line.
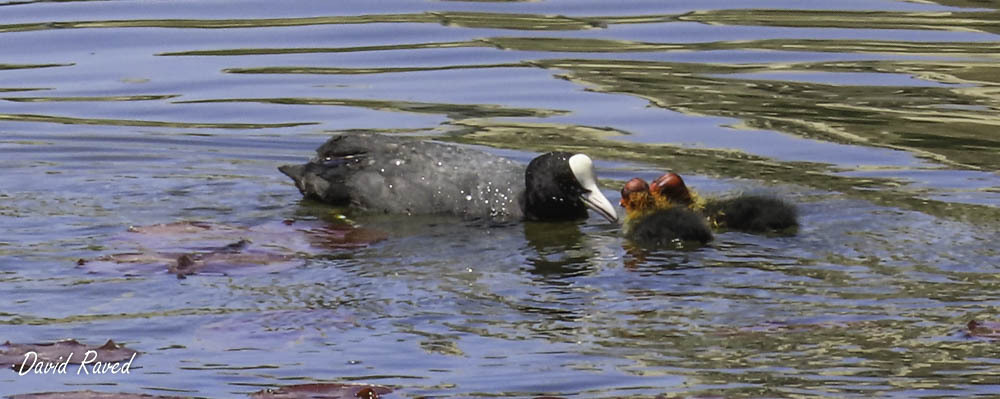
x=381, y=173
x=657, y=224
x=748, y=213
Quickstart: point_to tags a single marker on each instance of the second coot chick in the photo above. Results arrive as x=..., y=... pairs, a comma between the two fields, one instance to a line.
x=748, y=213
x=753, y=214
x=652, y=224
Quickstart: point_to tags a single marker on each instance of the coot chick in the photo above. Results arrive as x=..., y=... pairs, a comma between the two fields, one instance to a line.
x=753, y=214
x=381, y=173
x=652, y=224
x=748, y=213
x=669, y=190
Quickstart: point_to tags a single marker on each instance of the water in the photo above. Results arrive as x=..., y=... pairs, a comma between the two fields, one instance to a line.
x=878, y=118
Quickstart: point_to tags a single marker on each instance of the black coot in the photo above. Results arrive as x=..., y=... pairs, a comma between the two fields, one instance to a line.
x=381, y=173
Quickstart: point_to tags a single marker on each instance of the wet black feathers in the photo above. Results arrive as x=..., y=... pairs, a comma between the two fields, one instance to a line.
x=667, y=227
x=753, y=213
x=388, y=174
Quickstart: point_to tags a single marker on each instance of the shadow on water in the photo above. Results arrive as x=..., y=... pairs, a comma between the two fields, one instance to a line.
x=878, y=119
x=558, y=250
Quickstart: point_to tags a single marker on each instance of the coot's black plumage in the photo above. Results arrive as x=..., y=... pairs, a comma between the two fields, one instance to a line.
x=389, y=174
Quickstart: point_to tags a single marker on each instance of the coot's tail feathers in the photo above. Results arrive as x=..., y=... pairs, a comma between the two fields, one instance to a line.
x=324, y=176
x=753, y=213
x=317, y=183
x=293, y=171
x=298, y=174
x=670, y=227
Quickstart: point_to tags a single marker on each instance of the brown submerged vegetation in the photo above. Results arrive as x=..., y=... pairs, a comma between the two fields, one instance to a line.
x=191, y=247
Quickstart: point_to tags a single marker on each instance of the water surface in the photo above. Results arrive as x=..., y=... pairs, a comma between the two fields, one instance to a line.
x=879, y=118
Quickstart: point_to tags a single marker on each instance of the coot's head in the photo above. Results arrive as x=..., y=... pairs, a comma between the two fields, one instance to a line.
x=561, y=186
x=636, y=198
